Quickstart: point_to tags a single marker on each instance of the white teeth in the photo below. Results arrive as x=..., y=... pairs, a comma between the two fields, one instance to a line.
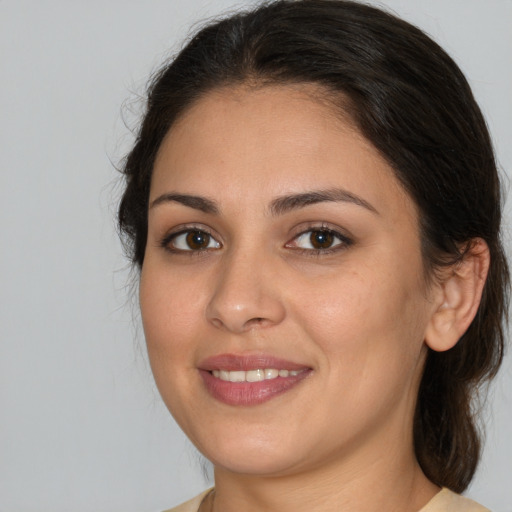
x=270, y=373
x=253, y=375
x=237, y=376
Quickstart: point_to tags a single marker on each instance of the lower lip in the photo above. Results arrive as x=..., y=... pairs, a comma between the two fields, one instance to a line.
x=250, y=393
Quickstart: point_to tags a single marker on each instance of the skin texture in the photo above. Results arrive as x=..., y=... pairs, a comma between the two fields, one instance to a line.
x=357, y=314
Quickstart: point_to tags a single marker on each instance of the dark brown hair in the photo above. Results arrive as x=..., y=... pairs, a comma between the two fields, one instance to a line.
x=408, y=98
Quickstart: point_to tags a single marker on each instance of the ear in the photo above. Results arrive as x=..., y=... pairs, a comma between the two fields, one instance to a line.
x=457, y=296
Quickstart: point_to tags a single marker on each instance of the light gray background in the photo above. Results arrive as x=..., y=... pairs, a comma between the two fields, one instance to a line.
x=81, y=427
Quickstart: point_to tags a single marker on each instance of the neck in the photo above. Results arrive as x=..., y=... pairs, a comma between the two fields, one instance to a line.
x=387, y=482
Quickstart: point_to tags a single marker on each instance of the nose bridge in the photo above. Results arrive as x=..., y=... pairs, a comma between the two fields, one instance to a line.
x=246, y=294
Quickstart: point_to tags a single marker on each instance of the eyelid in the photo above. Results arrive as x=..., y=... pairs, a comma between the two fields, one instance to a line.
x=345, y=239
x=165, y=241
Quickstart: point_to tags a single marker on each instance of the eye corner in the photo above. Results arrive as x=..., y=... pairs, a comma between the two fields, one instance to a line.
x=190, y=240
x=327, y=241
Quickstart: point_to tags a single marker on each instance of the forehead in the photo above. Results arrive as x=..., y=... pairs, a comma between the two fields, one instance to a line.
x=269, y=141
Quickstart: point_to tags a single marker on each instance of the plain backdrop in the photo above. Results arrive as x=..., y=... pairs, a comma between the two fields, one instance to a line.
x=82, y=428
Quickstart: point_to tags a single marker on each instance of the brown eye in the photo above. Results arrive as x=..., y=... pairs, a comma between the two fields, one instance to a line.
x=191, y=240
x=197, y=240
x=321, y=239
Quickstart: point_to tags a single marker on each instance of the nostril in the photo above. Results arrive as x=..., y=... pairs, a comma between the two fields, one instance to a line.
x=255, y=322
x=249, y=324
x=217, y=323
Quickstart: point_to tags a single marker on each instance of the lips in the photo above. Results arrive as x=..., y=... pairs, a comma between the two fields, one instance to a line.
x=249, y=380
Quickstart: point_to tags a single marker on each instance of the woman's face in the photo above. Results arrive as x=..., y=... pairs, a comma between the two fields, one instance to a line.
x=282, y=289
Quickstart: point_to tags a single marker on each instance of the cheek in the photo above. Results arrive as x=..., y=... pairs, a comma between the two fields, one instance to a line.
x=373, y=317
x=371, y=337
x=170, y=311
x=170, y=307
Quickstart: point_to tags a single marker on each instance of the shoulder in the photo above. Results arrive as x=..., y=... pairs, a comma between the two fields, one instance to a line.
x=190, y=505
x=448, y=501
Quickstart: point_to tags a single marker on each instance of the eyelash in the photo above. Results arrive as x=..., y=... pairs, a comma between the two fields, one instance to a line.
x=343, y=241
x=166, y=242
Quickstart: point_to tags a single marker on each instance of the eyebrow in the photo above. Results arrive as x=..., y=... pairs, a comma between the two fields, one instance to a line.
x=278, y=206
x=197, y=202
x=287, y=203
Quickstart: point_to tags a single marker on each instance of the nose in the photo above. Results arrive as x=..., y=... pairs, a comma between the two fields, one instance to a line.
x=246, y=295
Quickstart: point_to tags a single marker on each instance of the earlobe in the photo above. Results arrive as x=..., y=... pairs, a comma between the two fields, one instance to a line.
x=457, y=298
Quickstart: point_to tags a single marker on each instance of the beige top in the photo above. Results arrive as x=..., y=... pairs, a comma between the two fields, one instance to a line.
x=443, y=501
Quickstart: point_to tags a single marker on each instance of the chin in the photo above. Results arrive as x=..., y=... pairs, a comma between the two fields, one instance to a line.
x=255, y=465
x=256, y=458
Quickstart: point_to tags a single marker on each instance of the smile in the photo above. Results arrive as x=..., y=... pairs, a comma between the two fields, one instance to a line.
x=254, y=375
x=249, y=380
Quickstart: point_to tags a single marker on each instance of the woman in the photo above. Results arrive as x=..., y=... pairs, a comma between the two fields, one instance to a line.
x=314, y=206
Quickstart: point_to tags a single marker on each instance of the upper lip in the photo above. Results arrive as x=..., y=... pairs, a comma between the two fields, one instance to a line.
x=246, y=362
